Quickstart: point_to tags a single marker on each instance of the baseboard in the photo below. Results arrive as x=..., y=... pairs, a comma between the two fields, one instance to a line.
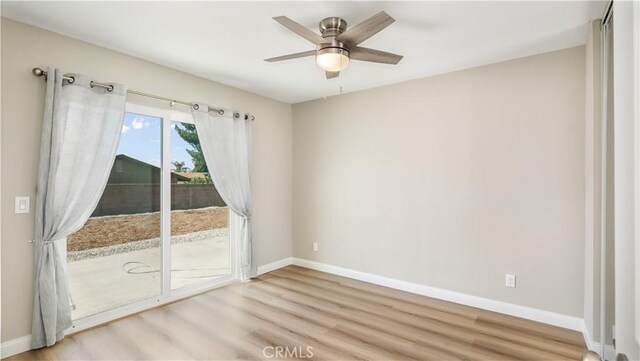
x=15, y=346
x=609, y=350
x=275, y=265
x=551, y=318
x=588, y=340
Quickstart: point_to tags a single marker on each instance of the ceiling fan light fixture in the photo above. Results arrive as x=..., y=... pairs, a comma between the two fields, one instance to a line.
x=339, y=43
x=332, y=59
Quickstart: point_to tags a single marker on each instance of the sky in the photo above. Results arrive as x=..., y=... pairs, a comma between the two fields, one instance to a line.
x=141, y=139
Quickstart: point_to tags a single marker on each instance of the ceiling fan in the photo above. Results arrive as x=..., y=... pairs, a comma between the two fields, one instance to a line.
x=338, y=44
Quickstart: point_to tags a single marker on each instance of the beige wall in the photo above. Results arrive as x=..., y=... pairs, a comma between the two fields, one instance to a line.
x=452, y=181
x=24, y=47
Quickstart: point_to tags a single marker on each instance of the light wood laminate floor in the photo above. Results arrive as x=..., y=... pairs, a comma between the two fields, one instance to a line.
x=339, y=318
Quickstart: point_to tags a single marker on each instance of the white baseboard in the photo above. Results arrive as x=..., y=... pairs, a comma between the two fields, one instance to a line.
x=609, y=350
x=275, y=265
x=15, y=346
x=551, y=318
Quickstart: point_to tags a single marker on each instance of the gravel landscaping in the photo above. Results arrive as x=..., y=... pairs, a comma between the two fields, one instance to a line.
x=143, y=229
x=74, y=256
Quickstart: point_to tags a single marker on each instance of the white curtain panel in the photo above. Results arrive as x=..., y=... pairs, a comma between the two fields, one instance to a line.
x=226, y=144
x=80, y=133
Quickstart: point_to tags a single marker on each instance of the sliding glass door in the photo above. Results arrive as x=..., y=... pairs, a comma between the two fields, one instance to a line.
x=115, y=259
x=160, y=229
x=199, y=216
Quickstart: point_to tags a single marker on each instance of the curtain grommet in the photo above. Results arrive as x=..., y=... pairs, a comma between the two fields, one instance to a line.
x=196, y=106
x=72, y=80
x=221, y=112
x=110, y=88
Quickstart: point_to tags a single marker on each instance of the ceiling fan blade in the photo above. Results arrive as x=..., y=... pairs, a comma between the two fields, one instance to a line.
x=373, y=55
x=299, y=29
x=332, y=74
x=366, y=29
x=292, y=56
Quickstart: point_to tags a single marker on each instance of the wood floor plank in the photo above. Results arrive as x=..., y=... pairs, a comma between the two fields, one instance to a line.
x=533, y=328
x=513, y=323
x=427, y=338
x=543, y=336
x=296, y=310
x=373, y=298
x=536, y=348
x=302, y=326
x=389, y=292
x=449, y=329
x=230, y=309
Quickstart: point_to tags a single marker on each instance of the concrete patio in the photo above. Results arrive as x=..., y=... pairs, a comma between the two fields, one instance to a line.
x=103, y=283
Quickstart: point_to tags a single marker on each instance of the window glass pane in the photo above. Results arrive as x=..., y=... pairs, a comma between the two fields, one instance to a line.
x=115, y=259
x=199, y=217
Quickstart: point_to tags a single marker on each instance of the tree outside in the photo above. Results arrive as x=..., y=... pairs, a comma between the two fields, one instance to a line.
x=179, y=166
x=206, y=179
x=189, y=133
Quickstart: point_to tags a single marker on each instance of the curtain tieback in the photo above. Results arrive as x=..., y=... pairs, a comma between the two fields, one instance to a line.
x=71, y=302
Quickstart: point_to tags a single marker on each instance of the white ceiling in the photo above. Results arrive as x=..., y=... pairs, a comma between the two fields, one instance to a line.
x=226, y=41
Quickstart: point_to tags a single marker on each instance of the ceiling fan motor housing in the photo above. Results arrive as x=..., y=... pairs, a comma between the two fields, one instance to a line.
x=335, y=45
x=332, y=27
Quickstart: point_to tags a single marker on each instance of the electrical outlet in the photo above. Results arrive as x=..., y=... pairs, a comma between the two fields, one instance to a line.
x=510, y=280
x=315, y=246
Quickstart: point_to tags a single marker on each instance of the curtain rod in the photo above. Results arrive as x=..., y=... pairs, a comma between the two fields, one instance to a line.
x=109, y=87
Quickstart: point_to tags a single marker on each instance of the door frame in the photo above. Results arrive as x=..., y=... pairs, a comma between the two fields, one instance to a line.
x=626, y=69
x=166, y=295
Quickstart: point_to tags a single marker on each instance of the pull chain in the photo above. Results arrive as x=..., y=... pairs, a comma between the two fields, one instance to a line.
x=342, y=74
x=324, y=85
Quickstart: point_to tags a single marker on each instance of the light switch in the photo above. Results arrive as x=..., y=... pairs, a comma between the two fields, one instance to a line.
x=22, y=205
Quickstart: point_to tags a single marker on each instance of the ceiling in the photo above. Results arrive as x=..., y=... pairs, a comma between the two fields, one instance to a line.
x=227, y=41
